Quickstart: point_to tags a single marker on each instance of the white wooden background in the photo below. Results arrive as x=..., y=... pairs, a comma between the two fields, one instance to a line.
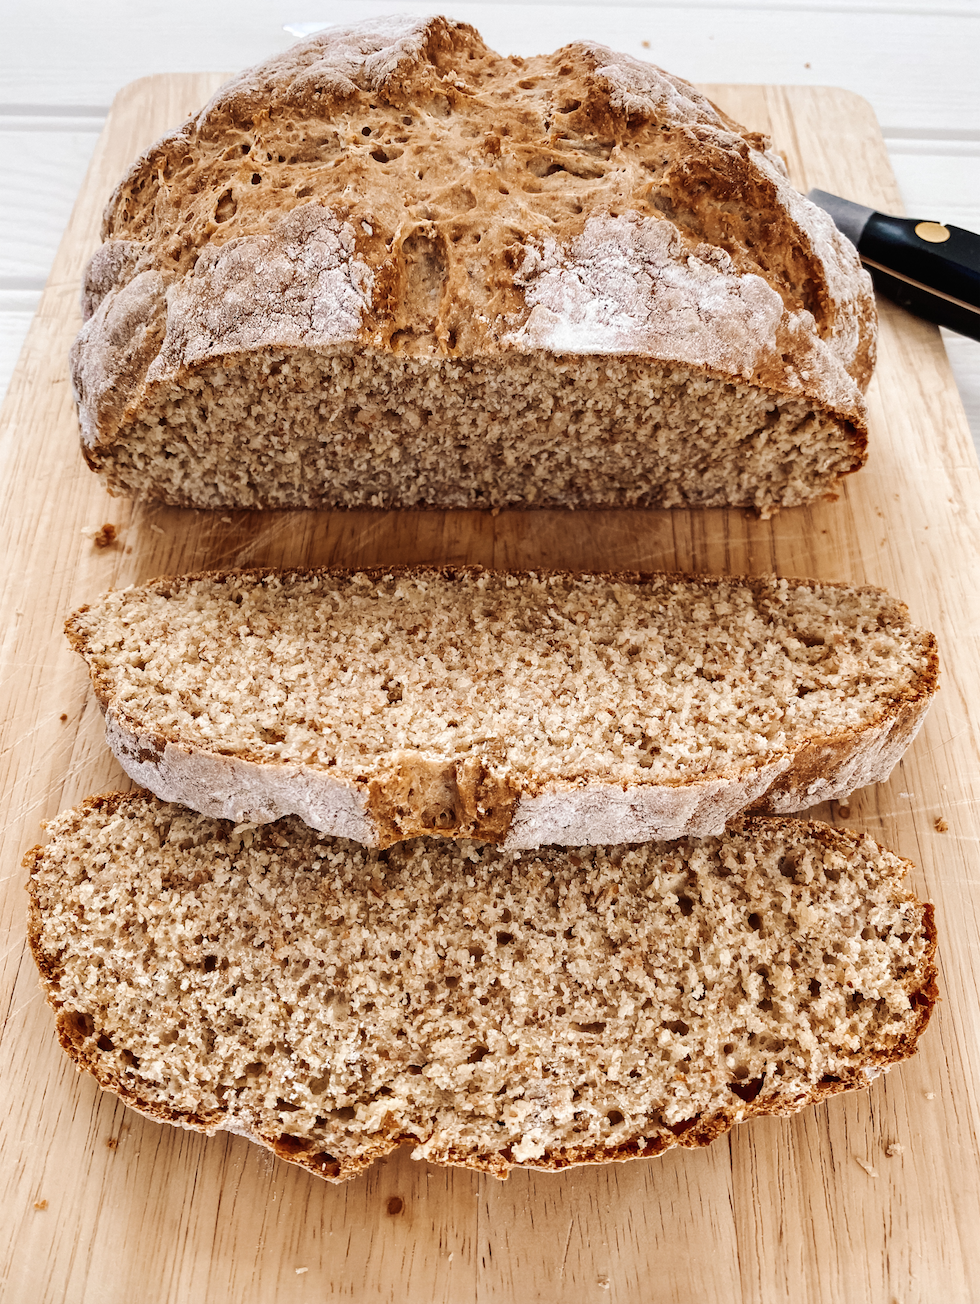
x=62, y=61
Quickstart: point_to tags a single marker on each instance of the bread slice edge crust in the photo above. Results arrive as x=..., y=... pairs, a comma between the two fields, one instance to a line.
x=82, y=1042
x=413, y=791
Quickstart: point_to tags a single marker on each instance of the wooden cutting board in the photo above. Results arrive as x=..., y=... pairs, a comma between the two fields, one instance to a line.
x=871, y=1197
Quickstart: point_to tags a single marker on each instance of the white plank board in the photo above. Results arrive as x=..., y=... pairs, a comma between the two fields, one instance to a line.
x=915, y=63
x=40, y=175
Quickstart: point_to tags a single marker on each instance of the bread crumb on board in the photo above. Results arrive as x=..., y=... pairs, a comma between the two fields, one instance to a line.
x=940, y=825
x=894, y=1150
x=102, y=536
x=40, y=1205
x=868, y=1167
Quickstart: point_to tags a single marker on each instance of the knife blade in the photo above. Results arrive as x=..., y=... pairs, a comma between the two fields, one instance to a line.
x=930, y=268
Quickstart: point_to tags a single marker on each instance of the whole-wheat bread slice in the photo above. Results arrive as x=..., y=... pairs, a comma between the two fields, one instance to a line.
x=488, y=1008
x=527, y=709
x=392, y=268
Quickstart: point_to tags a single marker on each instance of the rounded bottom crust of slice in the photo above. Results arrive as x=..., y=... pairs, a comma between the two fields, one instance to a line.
x=488, y=1008
x=522, y=709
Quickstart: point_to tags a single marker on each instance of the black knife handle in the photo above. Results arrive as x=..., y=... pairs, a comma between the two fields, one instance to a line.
x=951, y=267
x=927, y=304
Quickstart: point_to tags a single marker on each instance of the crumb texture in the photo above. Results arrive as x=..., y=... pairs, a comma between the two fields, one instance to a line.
x=452, y=701
x=488, y=1008
x=391, y=268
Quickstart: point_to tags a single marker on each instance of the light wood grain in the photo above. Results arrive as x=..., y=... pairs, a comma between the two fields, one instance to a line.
x=786, y=1209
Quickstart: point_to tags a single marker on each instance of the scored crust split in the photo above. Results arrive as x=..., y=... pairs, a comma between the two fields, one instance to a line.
x=519, y=708
x=488, y=1008
x=392, y=268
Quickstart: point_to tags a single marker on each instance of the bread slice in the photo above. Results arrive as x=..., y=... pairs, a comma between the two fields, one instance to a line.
x=522, y=709
x=488, y=1008
x=391, y=268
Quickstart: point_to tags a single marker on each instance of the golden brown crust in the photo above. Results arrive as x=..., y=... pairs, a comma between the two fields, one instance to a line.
x=464, y=206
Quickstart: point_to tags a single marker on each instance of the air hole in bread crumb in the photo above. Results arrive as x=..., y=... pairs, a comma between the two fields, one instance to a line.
x=685, y=1125
x=77, y=1025
x=746, y=1091
x=293, y=1145
x=226, y=207
x=326, y=1163
x=615, y=1117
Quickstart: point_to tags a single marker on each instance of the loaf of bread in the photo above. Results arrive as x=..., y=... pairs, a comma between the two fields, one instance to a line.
x=390, y=268
x=486, y=1007
x=518, y=708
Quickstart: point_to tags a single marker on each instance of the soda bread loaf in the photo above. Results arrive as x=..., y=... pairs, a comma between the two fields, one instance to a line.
x=391, y=268
x=518, y=708
x=486, y=1007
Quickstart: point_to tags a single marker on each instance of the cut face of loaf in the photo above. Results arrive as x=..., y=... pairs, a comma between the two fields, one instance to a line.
x=522, y=709
x=485, y=1007
x=391, y=268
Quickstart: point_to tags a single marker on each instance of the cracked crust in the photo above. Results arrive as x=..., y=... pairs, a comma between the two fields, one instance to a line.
x=401, y=225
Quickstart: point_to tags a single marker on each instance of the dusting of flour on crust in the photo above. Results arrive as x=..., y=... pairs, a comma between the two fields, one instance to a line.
x=629, y=284
x=300, y=284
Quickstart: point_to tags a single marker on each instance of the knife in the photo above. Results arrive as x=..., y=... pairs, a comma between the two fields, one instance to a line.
x=930, y=268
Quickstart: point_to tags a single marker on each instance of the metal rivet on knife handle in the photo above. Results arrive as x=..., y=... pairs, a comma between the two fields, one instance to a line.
x=933, y=232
